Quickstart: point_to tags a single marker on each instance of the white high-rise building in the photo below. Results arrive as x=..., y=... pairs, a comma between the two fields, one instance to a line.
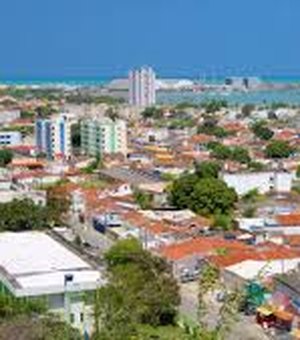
x=142, y=87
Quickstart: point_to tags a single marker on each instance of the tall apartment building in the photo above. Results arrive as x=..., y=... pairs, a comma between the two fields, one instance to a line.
x=103, y=136
x=53, y=137
x=142, y=87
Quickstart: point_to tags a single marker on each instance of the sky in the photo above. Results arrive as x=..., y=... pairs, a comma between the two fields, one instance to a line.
x=104, y=38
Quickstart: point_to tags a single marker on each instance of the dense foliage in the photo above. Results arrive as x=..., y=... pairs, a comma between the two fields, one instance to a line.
x=21, y=215
x=210, y=127
x=141, y=291
x=143, y=199
x=278, y=149
x=261, y=130
x=6, y=157
x=202, y=193
x=214, y=105
x=237, y=154
x=152, y=112
x=58, y=203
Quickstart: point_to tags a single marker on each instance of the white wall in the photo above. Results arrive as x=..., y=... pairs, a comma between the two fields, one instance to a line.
x=264, y=182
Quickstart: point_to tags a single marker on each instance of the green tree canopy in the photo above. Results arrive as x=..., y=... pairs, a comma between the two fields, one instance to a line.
x=205, y=196
x=207, y=169
x=278, y=149
x=21, y=215
x=212, y=196
x=141, y=290
x=240, y=154
x=152, y=112
x=143, y=199
x=210, y=127
x=221, y=152
x=6, y=157
x=262, y=131
x=247, y=109
x=214, y=105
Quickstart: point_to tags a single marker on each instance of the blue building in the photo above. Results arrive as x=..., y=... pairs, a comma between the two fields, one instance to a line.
x=53, y=137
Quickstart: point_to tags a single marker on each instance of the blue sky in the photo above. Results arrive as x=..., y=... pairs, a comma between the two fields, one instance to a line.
x=177, y=37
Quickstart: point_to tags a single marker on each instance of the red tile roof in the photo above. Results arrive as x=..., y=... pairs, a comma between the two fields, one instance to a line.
x=202, y=246
x=292, y=219
x=202, y=138
x=264, y=252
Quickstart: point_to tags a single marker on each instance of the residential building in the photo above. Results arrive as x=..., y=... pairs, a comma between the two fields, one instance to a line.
x=142, y=87
x=188, y=257
x=34, y=265
x=264, y=182
x=53, y=137
x=103, y=136
x=8, y=116
x=10, y=138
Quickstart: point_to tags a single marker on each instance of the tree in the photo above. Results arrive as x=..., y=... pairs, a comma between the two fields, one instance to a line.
x=247, y=109
x=21, y=215
x=223, y=222
x=251, y=196
x=45, y=111
x=240, y=154
x=181, y=190
x=212, y=196
x=112, y=114
x=256, y=166
x=152, y=112
x=298, y=171
x=58, y=204
x=221, y=152
x=6, y=157
x=210, y=127
x=262, y=131
x=214, y=105
x=143, y=199
x=141, y=291
x=207, y=169
x=278, y=149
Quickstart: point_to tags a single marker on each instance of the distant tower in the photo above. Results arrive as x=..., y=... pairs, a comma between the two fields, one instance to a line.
x=142, y=87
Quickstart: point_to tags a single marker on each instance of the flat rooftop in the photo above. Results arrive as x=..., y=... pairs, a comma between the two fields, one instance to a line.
x=33, y=263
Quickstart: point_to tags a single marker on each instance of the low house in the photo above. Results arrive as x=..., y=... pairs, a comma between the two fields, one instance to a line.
x=286, y=224
x=187, y=257
x=236, y=276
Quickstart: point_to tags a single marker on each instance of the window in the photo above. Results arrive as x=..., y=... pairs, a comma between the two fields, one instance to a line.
x=72, y=318
x=81, y=317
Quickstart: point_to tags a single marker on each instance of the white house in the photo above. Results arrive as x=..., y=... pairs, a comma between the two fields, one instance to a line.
x=264, y=182
x=33, y=264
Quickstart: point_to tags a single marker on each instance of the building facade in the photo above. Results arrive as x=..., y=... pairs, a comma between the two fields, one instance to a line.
x=264, y=182
x=142, y=87
x=10, y=138
x=59, y=276
x=103, y=136
x=53, y=137
x=8, y=116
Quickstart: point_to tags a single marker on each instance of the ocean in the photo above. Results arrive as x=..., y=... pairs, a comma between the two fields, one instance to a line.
x=291, y=96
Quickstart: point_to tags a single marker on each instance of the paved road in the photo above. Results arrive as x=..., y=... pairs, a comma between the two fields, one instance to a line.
x=99, y=242
x=189, y=300
x=244, y=329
